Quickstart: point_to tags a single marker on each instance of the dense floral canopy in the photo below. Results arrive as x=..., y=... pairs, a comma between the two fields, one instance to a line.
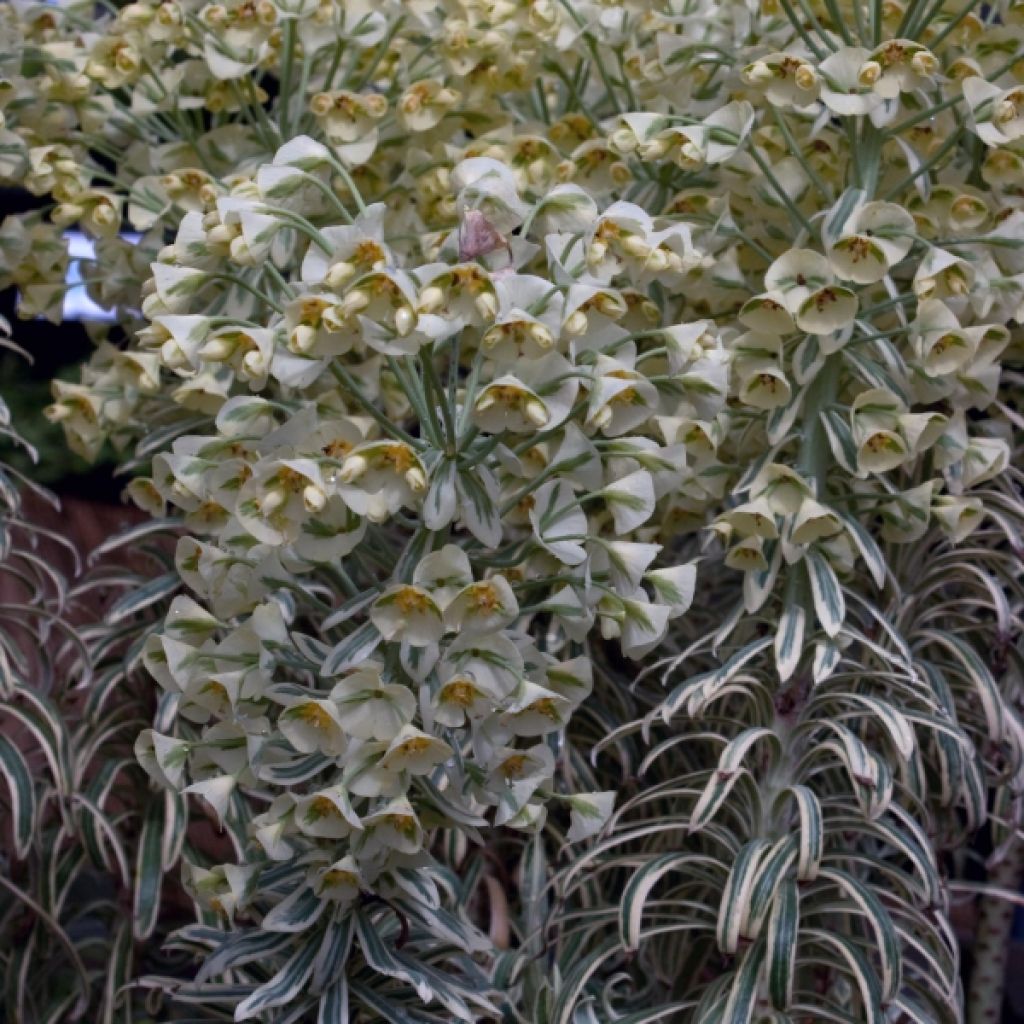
x=498, y=362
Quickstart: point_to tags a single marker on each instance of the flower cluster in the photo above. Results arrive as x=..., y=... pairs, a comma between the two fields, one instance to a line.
x=468, y=342
x=523, y=474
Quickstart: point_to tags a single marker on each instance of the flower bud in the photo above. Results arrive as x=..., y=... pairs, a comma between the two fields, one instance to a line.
x=104, y=215
x=657, y=261
x=924, y=63
x=338, y=274
x=542, y=337
x=301, y=339
x=321, y=104
x=806, y=77
x=254, y=363
x=431, y=298
x=622, y=141
x=333, y=319
x=870, y=72
x=66, y=213
x=576, y=323
x=636, y=247
x=58, y=411
x=690, y=154
x=218, y=349
x=486, y=305
x=313, y=498
x=352, y=468
x=241, y=253
x=354, y=302
x=405, y=320
x=1005, y=112
x=416, y=479
x=758, y=73
x=655, y=149
x=273, y=500
x=536, y=412
x=220, y=235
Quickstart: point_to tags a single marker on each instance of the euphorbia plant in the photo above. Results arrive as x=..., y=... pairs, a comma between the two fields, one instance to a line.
x=480, y=351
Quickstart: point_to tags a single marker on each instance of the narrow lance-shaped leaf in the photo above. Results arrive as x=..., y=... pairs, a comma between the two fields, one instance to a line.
x=149, y=871
x=781, y=944
x=829, y=606
x=16, y=773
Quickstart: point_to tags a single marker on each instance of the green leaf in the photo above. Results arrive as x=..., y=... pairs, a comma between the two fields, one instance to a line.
x=175, y=826
x=353, y=650
x=842, y=210
x=240, y=948
x=693, y=689
x=334, y=950
x=886, y=942
x=840, y=440
x=981, y=679
x=868, y=548
x=769, y=875
x=789, y=640
x=15, y=771
x=639, y=887
x=440, y=504
x=134, y=534
x=739, y=1008
x=575, y=981
x=829, y=605
x=43, y=720
x=118, y=971
x=812, y=832
x=382, y=960
x=783, y=925
x=334, y=1004
x=296, y=912
x=858, y=968
x=735, y=904
x=148, y=871
x=283, y=986
x=142, y=597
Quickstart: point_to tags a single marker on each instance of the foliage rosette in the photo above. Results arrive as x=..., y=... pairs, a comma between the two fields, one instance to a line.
x=465, y=344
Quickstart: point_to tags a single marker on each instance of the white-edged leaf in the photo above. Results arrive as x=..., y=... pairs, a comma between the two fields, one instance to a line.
x=334, y=1004
x=735, y=902
x=283, y=986
x=812, y=833
x=353, y=650
x=296, y=912
x=829, y=606
x=885, y=940
x=639, y=887
x=770, y=872
x=142, y=597
x=739, y=1009
x=781, y=939
x=16, y=773
x=856, y=964
x=149, y=872
x=789, y=640
x=868, y=548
